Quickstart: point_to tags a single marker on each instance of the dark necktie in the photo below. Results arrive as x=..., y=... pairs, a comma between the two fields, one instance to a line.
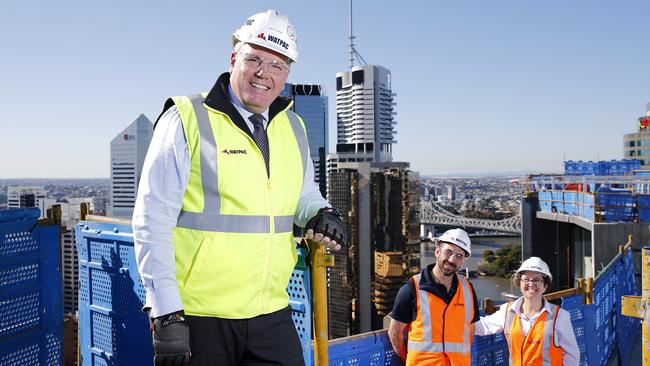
x=260, y=137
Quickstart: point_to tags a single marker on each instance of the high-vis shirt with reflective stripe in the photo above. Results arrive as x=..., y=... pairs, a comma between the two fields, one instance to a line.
x=441, y=333
x=235, y=218
x=538, y=347
x=158, y=189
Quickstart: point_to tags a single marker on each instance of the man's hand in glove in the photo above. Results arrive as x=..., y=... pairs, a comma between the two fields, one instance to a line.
x=171, y=340
x=327, y=228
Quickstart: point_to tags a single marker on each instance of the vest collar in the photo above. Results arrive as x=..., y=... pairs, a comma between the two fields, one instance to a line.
x=516, y=307
x=429, y=284
x=219, y=100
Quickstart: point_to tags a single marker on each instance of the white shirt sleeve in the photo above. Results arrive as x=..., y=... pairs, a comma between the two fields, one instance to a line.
x=164, y=177
x=566, y=339
x=310, y=200
x=491, y=324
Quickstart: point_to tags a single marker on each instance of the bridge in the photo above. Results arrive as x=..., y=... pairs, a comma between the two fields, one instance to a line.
x=432, y=213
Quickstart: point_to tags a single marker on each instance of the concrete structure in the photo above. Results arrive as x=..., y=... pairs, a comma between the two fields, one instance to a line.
x=364, y=116
x=381, y=201
x=637, y=145
x=574, y=247
x=128, y=150
x=310, y=103
x=27, y=196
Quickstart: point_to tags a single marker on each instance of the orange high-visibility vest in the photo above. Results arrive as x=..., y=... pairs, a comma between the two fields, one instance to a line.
x=538, y=347
x=441, y=333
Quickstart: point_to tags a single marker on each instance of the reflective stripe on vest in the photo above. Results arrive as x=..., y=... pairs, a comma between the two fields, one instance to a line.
x=211, y=219
x=426, y=345
x=549, y=334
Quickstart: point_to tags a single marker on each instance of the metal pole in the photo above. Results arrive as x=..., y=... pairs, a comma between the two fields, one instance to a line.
x=351, y=39
x=320, y=260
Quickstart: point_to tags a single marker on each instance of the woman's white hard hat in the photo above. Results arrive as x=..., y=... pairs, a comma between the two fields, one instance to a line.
x=270, y=30
x=535, y=264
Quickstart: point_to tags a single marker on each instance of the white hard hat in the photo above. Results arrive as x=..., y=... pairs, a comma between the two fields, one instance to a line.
x=535, y=264
x=459, y=238
x=270, y=30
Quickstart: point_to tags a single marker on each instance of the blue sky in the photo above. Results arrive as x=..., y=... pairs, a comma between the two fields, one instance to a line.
x=482, y=86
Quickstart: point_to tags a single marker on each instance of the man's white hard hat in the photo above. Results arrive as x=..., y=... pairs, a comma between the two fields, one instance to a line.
x=535, y=264
x=270, y=30
x=459, y=238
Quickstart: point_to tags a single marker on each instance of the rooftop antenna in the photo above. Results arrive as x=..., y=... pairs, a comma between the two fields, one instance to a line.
x=353, y=51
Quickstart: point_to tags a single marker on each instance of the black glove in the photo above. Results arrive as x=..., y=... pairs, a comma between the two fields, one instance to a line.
x=171, y=340
x=329, y=222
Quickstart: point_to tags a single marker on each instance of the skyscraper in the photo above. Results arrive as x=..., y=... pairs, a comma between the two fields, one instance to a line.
x=380, y=198
x=310, y=103
x=365, y=123
x=128, y=150
x=27, y=196
x=382, y=205
x=70, y=267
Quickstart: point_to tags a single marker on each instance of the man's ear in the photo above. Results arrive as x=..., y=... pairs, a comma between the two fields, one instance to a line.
x=232, y=59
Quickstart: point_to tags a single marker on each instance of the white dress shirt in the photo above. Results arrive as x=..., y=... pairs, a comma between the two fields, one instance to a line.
x=165, y=175
x=564, y=335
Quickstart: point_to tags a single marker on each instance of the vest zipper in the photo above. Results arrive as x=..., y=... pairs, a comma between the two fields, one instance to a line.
x=444, y=320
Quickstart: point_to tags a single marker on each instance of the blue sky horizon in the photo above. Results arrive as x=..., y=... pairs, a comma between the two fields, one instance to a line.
x=503, y=86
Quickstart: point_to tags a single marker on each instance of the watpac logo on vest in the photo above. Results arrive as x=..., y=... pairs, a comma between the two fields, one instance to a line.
x=234, y=151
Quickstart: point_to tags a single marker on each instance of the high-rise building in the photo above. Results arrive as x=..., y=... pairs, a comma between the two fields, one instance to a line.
x=637, y=145
x=310, y=103
x=128, y=150
x=451, y=192
x=69, y=267
x=382, y=205
x=27, y=196
x=365, y=116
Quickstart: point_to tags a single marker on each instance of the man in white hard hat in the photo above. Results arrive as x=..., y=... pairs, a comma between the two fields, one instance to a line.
x=226, y=176
x=437, y=307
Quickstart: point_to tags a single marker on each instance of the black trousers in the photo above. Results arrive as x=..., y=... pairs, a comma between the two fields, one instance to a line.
x=269, y=339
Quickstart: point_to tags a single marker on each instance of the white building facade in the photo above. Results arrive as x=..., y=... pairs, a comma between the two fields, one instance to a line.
x=128, y=150
x=27, y=196
x=365, y=116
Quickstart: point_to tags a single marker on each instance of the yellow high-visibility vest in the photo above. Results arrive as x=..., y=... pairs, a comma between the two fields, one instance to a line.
x=233, y=240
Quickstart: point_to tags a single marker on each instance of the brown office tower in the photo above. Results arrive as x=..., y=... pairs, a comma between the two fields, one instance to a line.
x=381, y=201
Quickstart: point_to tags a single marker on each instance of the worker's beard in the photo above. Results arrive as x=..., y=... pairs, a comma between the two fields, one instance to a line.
x=448, y=268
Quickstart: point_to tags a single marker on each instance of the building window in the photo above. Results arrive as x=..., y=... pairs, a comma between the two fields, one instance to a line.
x=357, y=77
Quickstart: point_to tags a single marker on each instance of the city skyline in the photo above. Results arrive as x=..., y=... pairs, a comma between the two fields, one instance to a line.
x=504, y=87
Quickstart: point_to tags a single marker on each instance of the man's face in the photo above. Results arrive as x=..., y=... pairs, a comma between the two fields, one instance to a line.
x=256, y=86
x=449, y=258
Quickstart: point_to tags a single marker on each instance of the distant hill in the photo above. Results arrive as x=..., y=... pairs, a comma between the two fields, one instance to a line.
x=54, y=182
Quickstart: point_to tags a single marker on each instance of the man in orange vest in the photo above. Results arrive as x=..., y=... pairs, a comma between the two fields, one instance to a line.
x=437, y=308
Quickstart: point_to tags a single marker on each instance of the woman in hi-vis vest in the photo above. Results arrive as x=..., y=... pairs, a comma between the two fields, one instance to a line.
x=538, y=332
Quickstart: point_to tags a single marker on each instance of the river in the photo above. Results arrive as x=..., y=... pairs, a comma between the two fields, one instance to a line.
x=485, y=286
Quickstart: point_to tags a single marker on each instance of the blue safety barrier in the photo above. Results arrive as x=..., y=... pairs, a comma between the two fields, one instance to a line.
x=603, y=167
x=31, y=295
x=113, y=330
x=600, y=327
x=372, y=348
x=299, y=290
x=610, y=205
